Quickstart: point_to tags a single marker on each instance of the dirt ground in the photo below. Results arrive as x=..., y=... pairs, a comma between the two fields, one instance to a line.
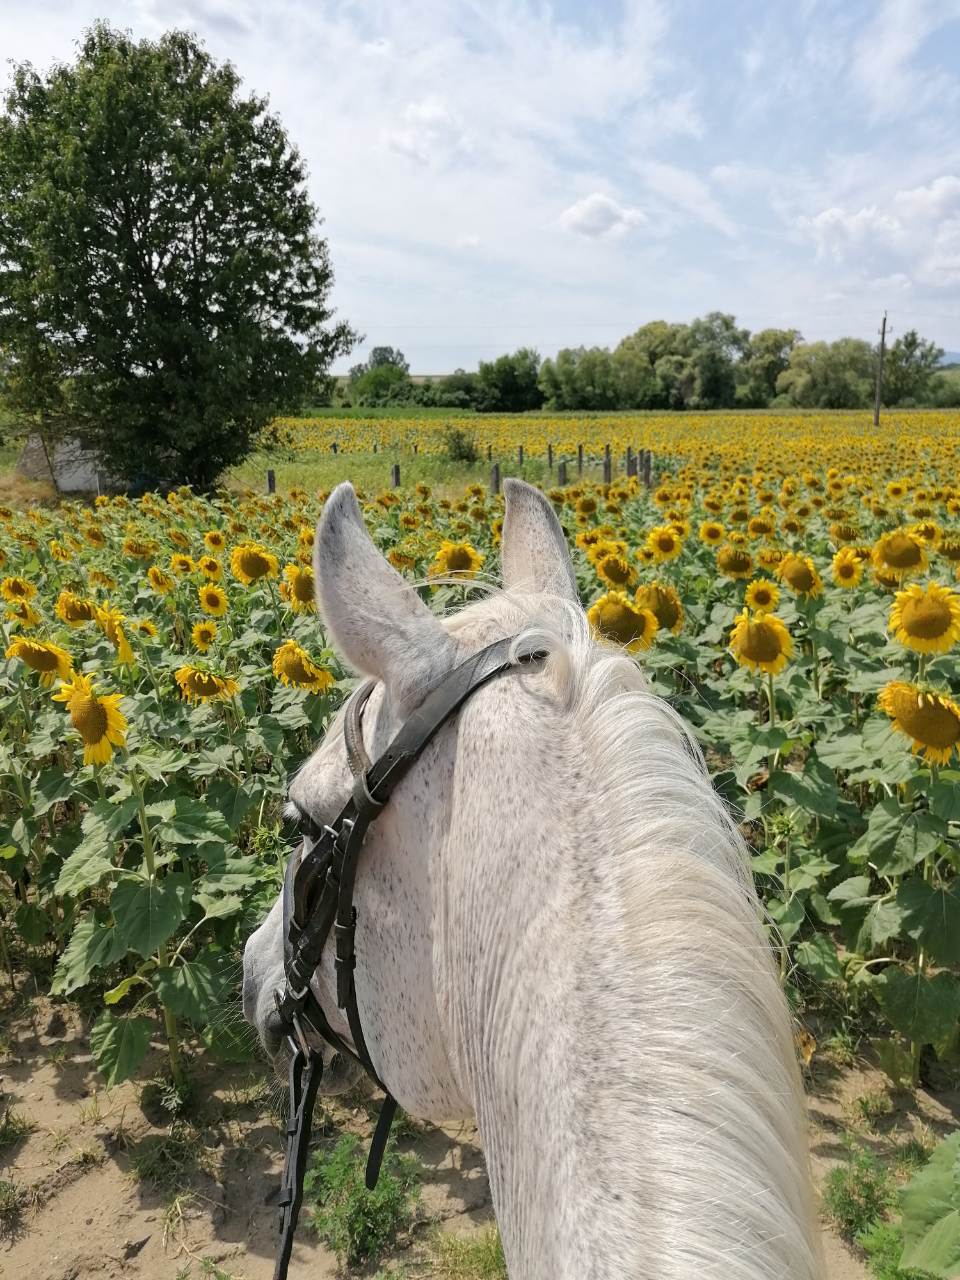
x=85, y=1213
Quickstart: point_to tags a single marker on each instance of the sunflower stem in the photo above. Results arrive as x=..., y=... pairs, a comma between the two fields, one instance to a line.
x=276, y=608
x=169, y=1019
x=7, y=963
x=771, y=700
x=816, y=665
x=240, y=728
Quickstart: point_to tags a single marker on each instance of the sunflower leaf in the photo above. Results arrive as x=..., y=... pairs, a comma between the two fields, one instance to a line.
x=932, y=918
x=148, y=910
x=119, y=1045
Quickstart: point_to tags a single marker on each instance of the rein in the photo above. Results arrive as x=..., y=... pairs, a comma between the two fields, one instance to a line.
x=318, y=897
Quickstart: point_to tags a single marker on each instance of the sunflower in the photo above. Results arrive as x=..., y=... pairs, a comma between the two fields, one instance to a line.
x=457, y=560
x=98, y=719
x=250, y=562
x=294, y=666
x=203, y=635
x=110, y=622
x=95, y=536
x=663, y=602
x=159, y=580
x=664, y=542
x=197, y=685
x=761, y=643
x=57, y=550
x=302, y=588
x=614, y=570
x=900, y=552
x=74, y=610
x=734, y=562
x=211, y=568
x=800, y=575
x=139, y=548
x=585, y=507
x=179, y=539
x=616, y=617
x=182, y=565
x=25, y=614
x=926, y=619
x=214, y=540
x=17, y=589
x=847, y=568
x=762, y=596
x=213, y=599
x=48, y=660
x=932, y=720
x=711, y=532
x=145, y=627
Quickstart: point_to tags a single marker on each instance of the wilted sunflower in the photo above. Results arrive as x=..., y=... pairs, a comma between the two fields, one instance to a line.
x=74, y=610
x=900, y=552
x=57, y=550
x=110, y=621
x=160, y=581
x=926, y=619
x=302, y=588
x=98, y=719
x=213, y=599
x=711, y=532
x=179, y=539
x=203, y=635
x=734, y=562
x=197, y=685
x=294, y=666
x=664, y=542
x=250, y=562
x=139, y=548
x=663, y=602
x=17, y=589
x=48, y=660
x=761, y=643
x=614, y=570
x=762, y=596
x=95, y=536
x=800, y=575
x=211, y=568
x=457, y=560
x=616, y=617
x=932, y=720
x=847, y=568
x=24, y=613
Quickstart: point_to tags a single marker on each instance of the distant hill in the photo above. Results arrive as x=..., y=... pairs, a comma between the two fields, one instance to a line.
x=950, y=357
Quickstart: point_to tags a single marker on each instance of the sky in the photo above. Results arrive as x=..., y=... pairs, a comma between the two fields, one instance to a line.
x=497, y=175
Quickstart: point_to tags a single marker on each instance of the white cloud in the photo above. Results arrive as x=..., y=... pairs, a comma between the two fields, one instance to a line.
x=430, y=132
x=883, y=60
x=685, y=190
x=599, y=217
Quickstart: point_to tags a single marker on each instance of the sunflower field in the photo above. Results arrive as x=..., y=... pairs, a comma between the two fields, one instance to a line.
x=792, y=591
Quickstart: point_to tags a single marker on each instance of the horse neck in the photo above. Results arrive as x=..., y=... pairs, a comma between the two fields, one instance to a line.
x=615, y=1017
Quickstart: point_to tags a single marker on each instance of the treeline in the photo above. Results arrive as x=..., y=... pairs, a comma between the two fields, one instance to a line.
x=709, y=363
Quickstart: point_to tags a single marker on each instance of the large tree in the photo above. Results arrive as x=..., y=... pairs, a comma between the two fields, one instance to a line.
x=829, y=375
x=911, y=363
x=509, y=384
x=163, y=287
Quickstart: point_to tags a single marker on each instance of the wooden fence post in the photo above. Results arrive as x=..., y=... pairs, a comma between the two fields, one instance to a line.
x=271, y=481
x=489, y=452
x=579, y=459
x=562, y=473
x=395, y=475
x=549, y=457
x=520, y=456
x=495, y=478
x=607, y=465
x=334, y=446
x=648, y=469
x=631, y=463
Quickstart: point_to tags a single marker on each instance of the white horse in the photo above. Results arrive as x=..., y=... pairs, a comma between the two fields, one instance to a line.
x=558, y=935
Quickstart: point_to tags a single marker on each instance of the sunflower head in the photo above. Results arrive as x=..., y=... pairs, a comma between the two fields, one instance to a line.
x=615, y=571
x=618, y=618
x=197, y=685
x=711, y=533
x=17, y=589
x=48, y=660
x=847, y=568
x=761, y=643
x=800, y=575
x=211, y=568
x=74, y=610
x=160, y=581
x=664, y=603
x=734, y=562
x=292, y=665
x=203, y=635
x=97, y=718
x=664, y=542
x=456, y=560
x=250, y=562
x=900, y=552
x=182, y=565
x=762, y=596
x=214, y=540
x=926, y=619
x=301, y=588
x=931, y=719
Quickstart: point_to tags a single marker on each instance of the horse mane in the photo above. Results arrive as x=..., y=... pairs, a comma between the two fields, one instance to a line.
x=699, y=1115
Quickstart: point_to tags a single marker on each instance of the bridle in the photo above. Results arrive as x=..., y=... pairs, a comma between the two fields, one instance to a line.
x=318, y=896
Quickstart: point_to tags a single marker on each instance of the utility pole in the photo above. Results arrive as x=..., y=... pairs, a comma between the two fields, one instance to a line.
x=883, y=348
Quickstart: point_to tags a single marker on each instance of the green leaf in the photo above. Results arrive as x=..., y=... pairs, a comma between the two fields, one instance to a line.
x=52, y=786
x=846, y=752
x=813, y=791
x=789, y=916
x=119, y=1045
x=819, y=957
x=894, y=1058
x=93, y=944
x=923, y=1009
x=191, y=822
x=116, y=994
x=85, y=868
x=232, y=1041
x=882, y=922
x=147, y=911
x=32, y=922
x=195, y=989
x=944, y=796
x=107, y=820
x=854, y=892
x=932, y=918
x=930, y=1203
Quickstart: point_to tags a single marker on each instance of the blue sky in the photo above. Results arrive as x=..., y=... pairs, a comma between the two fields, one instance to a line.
x=493, y=175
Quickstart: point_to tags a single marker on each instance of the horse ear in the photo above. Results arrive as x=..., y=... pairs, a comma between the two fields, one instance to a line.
x=375, y=618
x=533, y=549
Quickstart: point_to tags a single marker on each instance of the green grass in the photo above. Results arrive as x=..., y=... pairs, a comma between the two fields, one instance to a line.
x=169, y=1161
x=469, y=1257
x=882, y=1242
x=11, y=1205
x=858, y=1193
x=312, y=469
x=356, y=1223
x=14, y=1127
